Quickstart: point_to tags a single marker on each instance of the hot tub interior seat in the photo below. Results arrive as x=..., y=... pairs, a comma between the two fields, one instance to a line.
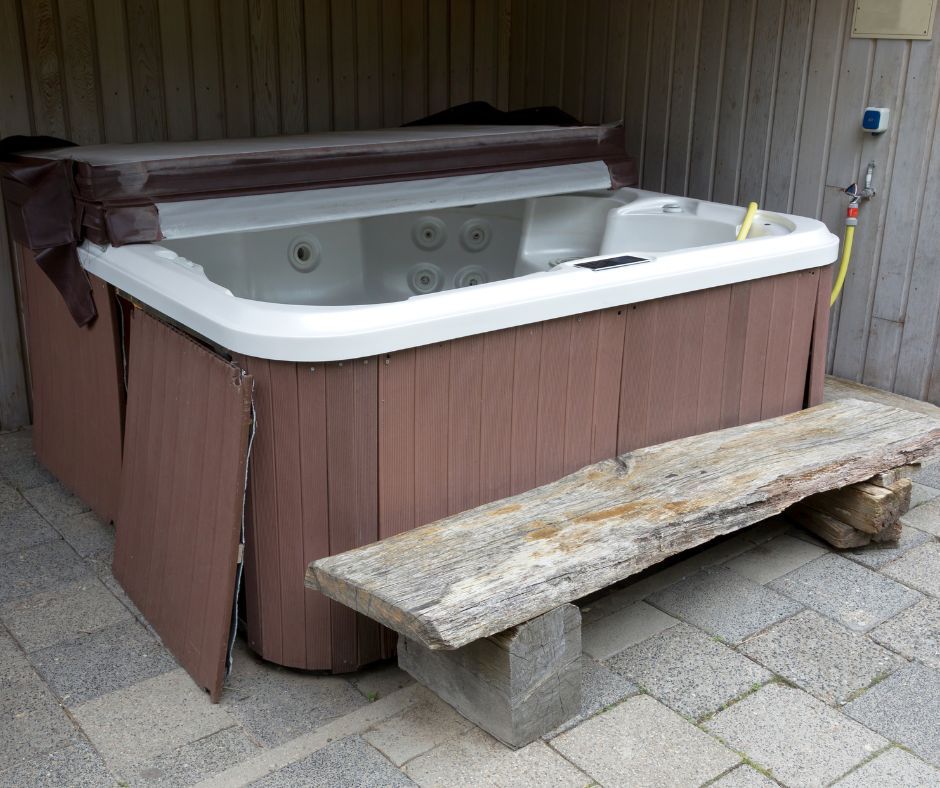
x=393, y=257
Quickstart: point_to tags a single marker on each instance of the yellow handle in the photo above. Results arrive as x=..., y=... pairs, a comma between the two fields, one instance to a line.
x=748, y=220
x=844, y=264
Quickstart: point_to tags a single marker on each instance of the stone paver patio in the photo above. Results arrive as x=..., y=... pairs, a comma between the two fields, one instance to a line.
x=765, y=659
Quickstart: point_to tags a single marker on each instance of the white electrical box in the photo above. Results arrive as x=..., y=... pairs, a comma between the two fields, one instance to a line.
x=875, y=119
x=894, y=19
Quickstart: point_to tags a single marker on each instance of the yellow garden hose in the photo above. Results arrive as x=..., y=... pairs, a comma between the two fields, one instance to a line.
x=748, y=220
x=844, y=264
x=851, y=220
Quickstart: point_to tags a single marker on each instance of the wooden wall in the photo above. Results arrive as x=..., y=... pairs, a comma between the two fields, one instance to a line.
x=739, y=100
x=728, y=99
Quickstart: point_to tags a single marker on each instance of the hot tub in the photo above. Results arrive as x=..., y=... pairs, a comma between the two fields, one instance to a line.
x=420, y=347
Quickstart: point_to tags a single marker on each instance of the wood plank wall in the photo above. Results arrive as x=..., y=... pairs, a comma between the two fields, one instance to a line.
x=139, y=70
x=739, y=100
x=728, y=99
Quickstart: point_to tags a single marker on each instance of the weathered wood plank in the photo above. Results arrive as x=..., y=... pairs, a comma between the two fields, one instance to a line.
x=830, y=529
x=477, y=573
x=866, y=507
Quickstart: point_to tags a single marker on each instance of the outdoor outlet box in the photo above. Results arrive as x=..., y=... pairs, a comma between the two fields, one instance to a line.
x=875, y=119
x=911, y=19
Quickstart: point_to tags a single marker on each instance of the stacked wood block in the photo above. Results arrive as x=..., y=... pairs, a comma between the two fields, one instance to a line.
x=858, y=514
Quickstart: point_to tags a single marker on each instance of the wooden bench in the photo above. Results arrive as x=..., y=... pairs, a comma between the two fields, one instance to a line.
x=481, y=600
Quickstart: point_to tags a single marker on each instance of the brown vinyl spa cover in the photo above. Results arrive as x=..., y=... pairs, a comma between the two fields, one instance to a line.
x=119, y=194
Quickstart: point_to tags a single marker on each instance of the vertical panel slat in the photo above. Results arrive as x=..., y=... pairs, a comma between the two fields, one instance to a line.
x=499, y=349
x=438, y=55
x=392, y=72
x=607, y=383
x=290, y=516
x=801, y=331
x=683, y=98
x=756, y=335
x=79, y=71
x=262, y=33
x=552, y=399
x=782, y=316
x=368, y=64
x=177, y=69
x=580, y=395
x=691, y=358
x=734, y=353
x=460, y=64
x=665, y=344
x=733, y=99
x=714, y=343
x=525, y=404
x=464, y=414
x=291, y=67
x=311, y=394
x=343, y=47
x=236, y=68
x=432, y=381
x=635, y=380
x=637, y=80
x=45, y=70
x=207, y=74
x=615, y=61
x=572, y=80
x=143, y=34
x=414, y=59
x=396, y=443
x=318, y=60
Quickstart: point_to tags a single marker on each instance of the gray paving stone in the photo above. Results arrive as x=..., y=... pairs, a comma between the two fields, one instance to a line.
x=379, y=681
x=194, y=761
x=771, y=559
x=23, y=528
x=623, y=628
x=65, y=613
x=896, y=768
x=600, y=688
x=417, y=729
x=136, y=724
x=743, y=776
x=477, y=759
x=10, y=500
x=642, y=743
x=76, y=765
x=929, y=475
x=88, y=534
x=31, y=720
x=276, y=704
x=14, y=443
x=921, y=493
x=109, y=659
x=875, y=555
x=347, y=762
x=841, y=589
x=798, y=738
x=23, y=471
x=724, y=603
x=54, y=502
x=39, y=568
x=905, y=707
x=821, y=656
x=688, y=671
x=925, y=517
x=765, y=530
x=915, y=632
x=918, y=568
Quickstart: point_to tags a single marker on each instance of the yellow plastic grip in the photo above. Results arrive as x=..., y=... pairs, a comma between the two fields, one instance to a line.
x=748, y=220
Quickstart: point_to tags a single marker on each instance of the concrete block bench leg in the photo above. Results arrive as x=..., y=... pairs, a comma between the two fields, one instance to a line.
x=517, y=685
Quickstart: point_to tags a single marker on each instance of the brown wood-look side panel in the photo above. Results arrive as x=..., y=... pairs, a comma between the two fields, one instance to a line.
x=182, y=493
x=391, y=443
x=76, y=377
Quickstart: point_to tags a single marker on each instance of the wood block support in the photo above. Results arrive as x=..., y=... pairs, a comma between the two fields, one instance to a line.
x=517, y=685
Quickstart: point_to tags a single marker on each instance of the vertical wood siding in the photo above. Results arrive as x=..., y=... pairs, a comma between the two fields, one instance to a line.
x=739, y=100
x=140, y=70
x=349, y=452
